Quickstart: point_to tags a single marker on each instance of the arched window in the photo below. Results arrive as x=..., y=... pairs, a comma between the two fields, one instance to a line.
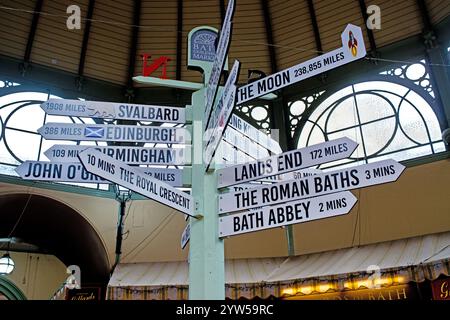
x=387, y=119
x=20, y=118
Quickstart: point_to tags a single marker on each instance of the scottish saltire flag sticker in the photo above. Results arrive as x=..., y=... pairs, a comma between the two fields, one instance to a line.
x=94, y=132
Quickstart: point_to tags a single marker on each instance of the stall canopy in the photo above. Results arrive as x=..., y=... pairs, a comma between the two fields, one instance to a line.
x=399, y=261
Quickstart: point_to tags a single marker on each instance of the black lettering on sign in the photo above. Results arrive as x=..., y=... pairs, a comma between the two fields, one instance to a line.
x=336, y=204
x=106, y=166
x=383, y=171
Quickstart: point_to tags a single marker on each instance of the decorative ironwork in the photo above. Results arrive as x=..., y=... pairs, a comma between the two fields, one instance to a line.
x=387, y=119
x=259, y=113
x=297, y=109
x=8, y=84
x=417, y=73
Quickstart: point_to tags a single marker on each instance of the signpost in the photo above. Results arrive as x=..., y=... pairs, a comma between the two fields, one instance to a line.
x=74, y=172
x=287, y=213
x=289, y=161
x=128, y=155
x=352, y=49
x=280, y=203
x=345, y=179
x=115, y=171
x=219, y=60
x=112, y=110
x=118, y=133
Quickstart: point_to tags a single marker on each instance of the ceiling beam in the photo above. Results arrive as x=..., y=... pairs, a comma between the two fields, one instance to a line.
x=133, y=43
x=428, y=26
x=222, y=10
x=179, y=37
x=373, y=45
x=269, y=36
x=313, y=17
x=86, y=34
x=32, y=34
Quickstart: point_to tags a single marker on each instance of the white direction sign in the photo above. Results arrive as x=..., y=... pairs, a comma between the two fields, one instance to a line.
x=222, y=112
x=256, y=135
x=300, y=174
x=224, y=108
x=288, y=161
x=245, y=144
x=219, y=60
x=353, y=48
x=112, y=110
x=345, y=179
x=185, y=236
x=74, y=172
x=287, y=213
x=128, y=155
x=105, y=132
x=128, y=177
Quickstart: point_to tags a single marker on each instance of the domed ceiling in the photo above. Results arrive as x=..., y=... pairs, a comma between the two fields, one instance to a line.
x=267, y=35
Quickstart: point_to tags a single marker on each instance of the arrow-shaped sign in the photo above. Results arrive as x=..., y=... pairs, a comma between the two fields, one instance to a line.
x=129, y=155
x=287, y=213
x=219, y=60
x=128, y=177
x=258, y=136
x=105, y=132
x=346, y=179
x=286, y=162
x=353, y=48
x=74, y=172
x=217, y=124
x=112, y=110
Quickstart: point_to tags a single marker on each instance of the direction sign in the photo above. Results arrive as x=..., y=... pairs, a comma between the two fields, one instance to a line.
x=287, y=213
x=214, y=132
x=300, y=174
x=245, y=144
x=345, y=179
x=185, y=236
x=352, y=49
x=256, y=135
x=128, y=155
x=222, y=111
x=219, y=60
x=128, y=177
x=75, y=172
x=288, y=161
x=105, y=132
x=112, y=110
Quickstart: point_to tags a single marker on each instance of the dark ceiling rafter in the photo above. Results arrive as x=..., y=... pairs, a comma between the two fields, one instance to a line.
x=269, y=36
x=425, y=15
x=373, y=45
x=222, y=10
x=86, y=34
x=31, y=35
x=313, y=17
x=428, y=33
x=133, y=46
x=179, y=37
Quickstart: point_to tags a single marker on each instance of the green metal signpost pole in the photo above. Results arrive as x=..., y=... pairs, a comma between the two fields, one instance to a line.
x=206, y=250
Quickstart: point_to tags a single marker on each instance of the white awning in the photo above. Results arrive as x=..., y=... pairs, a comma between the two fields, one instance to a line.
x=392, y=255
x=176, y=273
x=386, y=255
